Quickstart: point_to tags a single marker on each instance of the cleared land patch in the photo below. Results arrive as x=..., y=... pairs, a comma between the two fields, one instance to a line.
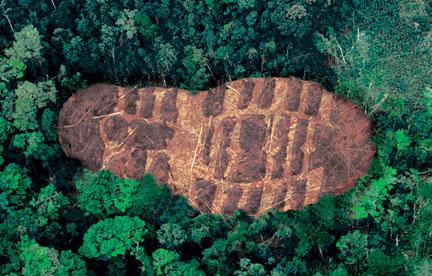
x=251, y=144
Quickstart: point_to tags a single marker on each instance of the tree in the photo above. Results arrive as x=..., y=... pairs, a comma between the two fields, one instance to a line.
x=377, y=53
x=373, y=199
x=166, y=57
x=146, y=262
x=5, y=129
x=383, y=264
x=424, y=267
x=34, y=145
x=14, y=185
x=150, y=202
x=39, y=260
x=102, y=194
x=113, y=237
x=353, y=247
x=30, y=98
x=40, y=219
x=48, y=124
x=145, y=27
x=168, y=262
x=249, y=268
x=296, y=266
x=27, y=45
x=206, y=227
x=25, y=111
x=421, y=236
x=126, y=23
x=196, y=65
x=22, y=106
x=48, y=208
x=163, y=257
x=171, y=235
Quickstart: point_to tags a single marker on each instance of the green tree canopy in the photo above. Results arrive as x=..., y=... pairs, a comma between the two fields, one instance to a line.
x=39, y=260
x=102, y=194
x=113, y=237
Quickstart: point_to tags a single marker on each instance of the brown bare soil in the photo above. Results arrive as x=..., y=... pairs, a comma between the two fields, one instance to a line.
x=246, y=94
x=251, y=161
x=281, y=134
x=266, y=95
x=252, y=144
x=227, y=126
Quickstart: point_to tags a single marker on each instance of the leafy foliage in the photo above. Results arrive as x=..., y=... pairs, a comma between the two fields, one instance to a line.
x=371, y=201
x=114, y=236
x=103, y=194
x=168, y=263
x=57, y=219
x=39, y=260
x=27, y=45
x=14, y=184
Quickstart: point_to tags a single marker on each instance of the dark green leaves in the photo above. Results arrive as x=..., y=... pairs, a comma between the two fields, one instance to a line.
x=102, y=194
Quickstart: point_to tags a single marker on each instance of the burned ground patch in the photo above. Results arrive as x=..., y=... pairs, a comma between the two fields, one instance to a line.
x=205, y=192
x=213, y=103
x=107, y=100
x=246, y=94
x=297, y=154
x=131, y=98
x=298, y=194
x=136, y=164
x=282, y=129
x=116, y=128
x=92, y=146
x=160, y=168
x=232, y=197
x=326, y=155
x=169, y=110
x=83, y=142
x=208, y=137
x=315, y=94
x=251, y=163
x=266, y=96
x=78, y=128
x=147, y=102
x=294, y=89
x=253, y=202
x=279, y=197
x=149, y=135
x=222, y=158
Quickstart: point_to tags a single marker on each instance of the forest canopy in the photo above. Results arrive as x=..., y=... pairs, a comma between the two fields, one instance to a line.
x=57, y=218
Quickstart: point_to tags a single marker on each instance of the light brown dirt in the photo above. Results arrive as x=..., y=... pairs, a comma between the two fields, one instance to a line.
x=251, y=144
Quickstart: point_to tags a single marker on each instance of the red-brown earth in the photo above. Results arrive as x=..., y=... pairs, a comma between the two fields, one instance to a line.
x=251, y=144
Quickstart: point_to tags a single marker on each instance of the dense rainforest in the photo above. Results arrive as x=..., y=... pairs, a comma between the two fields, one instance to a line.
x=57, y=218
